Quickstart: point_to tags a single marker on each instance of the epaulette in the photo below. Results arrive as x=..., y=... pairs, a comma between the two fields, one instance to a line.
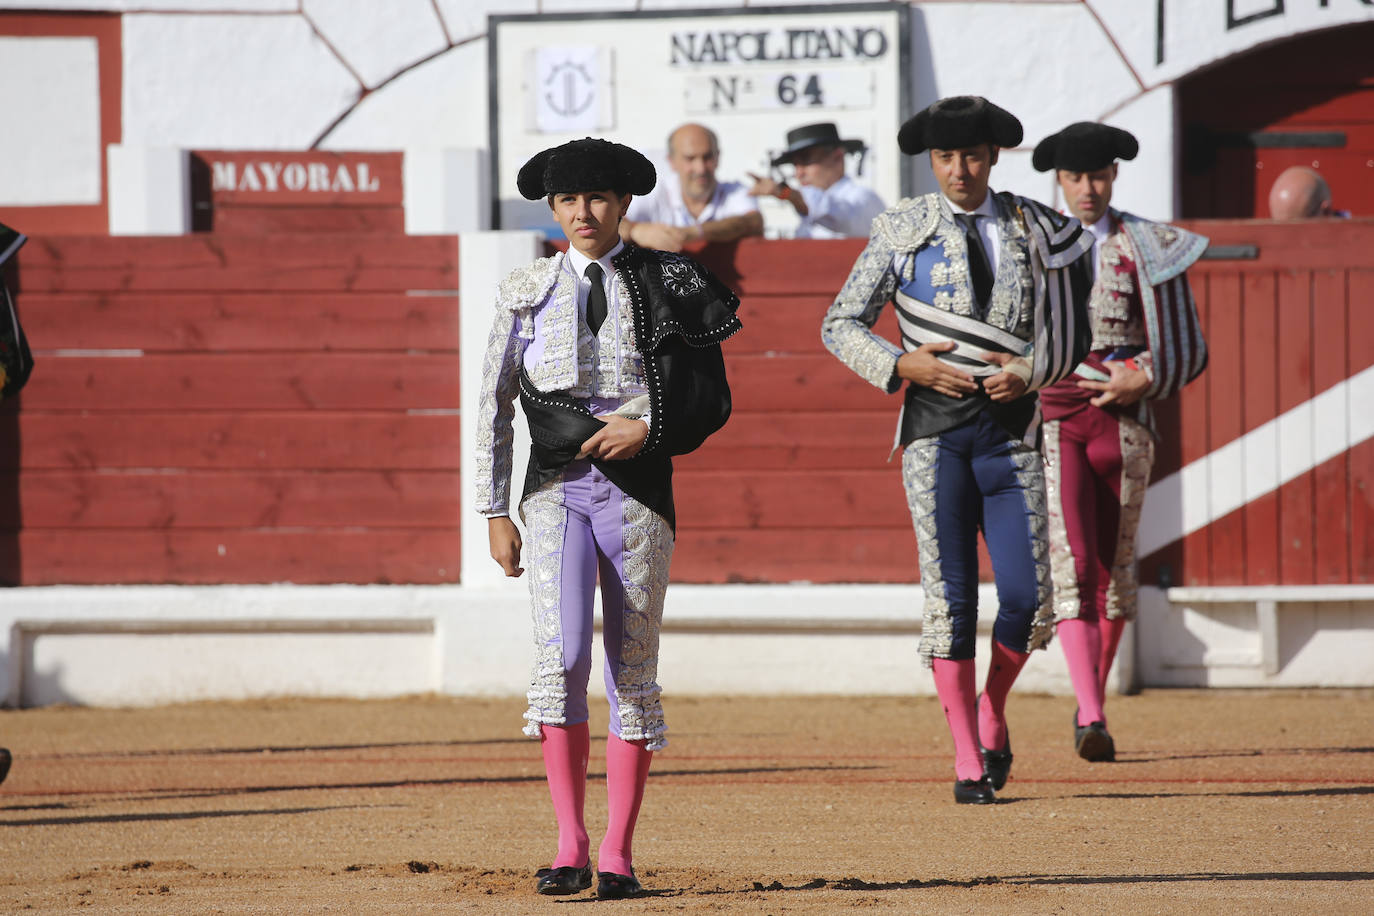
x=1162, y=251
x=909, y=222
x=525, y=286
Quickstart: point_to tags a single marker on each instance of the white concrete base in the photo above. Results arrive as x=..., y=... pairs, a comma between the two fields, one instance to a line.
x=149, y=190
x=1257, y=636
x=141, y=645
x=446, y=191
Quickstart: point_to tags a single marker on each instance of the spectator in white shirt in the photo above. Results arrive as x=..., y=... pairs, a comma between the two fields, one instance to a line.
x=831, y=204
x=690, y=204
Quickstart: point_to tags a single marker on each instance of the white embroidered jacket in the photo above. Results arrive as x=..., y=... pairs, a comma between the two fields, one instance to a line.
x=539, y=326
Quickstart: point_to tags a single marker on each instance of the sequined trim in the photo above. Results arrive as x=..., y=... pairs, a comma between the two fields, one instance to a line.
x=1114, y=305
x=1063, y=572
x=1030, y=474
x=1137, y=457
x=647, y=552
x=918, y=478
x=1013, y=293
x=496, y=412
x=546, y=522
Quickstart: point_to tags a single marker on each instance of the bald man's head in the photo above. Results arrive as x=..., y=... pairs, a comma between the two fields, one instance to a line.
x=694, y=154
x=1299, y=193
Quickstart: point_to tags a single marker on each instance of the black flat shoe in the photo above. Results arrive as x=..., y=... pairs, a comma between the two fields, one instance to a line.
x=610, y=886
x=974, y=792
x=5, y=761
x=1093, y=742
x=565, y=880
x=997, y=764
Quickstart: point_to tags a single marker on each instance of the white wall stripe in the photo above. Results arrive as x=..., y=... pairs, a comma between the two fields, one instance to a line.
x=1258, y=463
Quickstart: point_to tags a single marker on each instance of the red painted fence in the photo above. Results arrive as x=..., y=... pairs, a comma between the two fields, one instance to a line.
x=215, y=409
x=218, y=409
x=1282, y=327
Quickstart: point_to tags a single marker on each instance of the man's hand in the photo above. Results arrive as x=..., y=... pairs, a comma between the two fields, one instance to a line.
x=924, y=368
x=1004, y=386
x=505, y=544
x=771, y=187
x=660, y=236
x=1125, y=387
x=621, y=437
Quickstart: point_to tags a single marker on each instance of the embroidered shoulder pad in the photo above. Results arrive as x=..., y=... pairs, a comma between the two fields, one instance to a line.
x=1162, y=251
x=525, y=286
x=909, y=222
x=1060, y=238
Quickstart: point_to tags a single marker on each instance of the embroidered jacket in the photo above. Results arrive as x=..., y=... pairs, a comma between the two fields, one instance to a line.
x=660, y=338
x=917, y=248
x=1141, y=300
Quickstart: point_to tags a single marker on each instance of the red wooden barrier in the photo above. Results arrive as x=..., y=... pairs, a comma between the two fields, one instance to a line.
x=219, y=409
x=258, y=409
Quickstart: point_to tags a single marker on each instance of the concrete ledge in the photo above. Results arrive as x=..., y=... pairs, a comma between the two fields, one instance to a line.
x=1258, y=636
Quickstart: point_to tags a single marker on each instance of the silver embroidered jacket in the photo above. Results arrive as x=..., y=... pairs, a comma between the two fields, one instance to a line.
x=660, y=342
x=537, y=325
x=1032, y=297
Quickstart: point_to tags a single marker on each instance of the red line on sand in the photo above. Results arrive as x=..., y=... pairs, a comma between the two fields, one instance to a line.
x=1141, y=784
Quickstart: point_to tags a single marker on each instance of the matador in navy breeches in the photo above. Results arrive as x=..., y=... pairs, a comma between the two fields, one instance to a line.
x=985, y=286
x=613, y=353
x=1099, y=438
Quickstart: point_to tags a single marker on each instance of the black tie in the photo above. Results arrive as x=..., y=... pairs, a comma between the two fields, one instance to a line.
x=979, y=270
x=596, y=297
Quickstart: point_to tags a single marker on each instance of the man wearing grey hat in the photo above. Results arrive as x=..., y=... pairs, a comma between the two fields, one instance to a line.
x=1099, y=434
x=614, y=354
x=988, y=289
x=830, y=203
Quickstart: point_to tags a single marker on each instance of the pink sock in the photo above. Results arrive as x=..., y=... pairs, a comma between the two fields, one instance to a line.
x=627, y=769
x=1082, y=649
x=954, y=683
x=1111, y=630
x=565, y=764
x=1002, y=673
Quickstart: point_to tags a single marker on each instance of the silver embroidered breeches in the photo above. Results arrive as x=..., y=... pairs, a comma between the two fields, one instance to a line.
x=581, y=528
x=974, y=477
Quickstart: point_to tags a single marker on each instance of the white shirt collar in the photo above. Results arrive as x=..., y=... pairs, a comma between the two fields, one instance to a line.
x=1102, y=228
x=984, y=209
x=580, y=260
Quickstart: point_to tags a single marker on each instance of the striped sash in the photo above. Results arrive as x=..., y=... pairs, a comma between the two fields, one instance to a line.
x=923, y=324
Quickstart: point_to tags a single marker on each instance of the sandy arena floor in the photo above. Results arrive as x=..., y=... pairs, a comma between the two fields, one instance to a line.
x=1220, y=802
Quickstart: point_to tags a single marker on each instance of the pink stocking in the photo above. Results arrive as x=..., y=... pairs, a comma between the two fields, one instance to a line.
x=1082, y=650
x=954, y=683
x=627, y=769
x=565, y=763
x=1002, y=673
x=1111, y=630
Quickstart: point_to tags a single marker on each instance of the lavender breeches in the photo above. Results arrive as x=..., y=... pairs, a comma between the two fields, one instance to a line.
x=582, y=528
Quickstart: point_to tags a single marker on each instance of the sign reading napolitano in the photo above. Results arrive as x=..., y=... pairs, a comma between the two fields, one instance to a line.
x=749, y=75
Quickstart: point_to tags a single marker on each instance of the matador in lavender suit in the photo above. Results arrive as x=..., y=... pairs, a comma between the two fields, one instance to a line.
x=1099, y=438
x=614, y=354
x=987, y=289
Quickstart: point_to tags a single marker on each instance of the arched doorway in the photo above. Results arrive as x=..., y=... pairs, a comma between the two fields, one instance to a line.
x=1304, y=101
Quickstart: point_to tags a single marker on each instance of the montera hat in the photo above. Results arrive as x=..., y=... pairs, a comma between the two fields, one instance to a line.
x=590, y=164
x=1084, y=147
x=823, y=134
x=959, y=122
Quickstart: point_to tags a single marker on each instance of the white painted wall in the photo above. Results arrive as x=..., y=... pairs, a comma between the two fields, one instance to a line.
x=51, y=148
x=229, y=82
x=353, y=74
